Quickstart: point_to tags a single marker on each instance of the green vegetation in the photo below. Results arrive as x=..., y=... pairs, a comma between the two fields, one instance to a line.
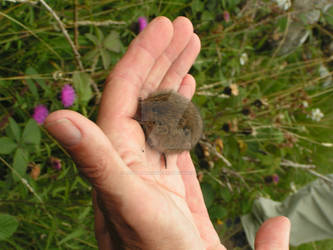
x=268, y=115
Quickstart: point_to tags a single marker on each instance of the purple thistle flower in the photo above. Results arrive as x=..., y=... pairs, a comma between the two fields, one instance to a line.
x=40, y=113
x=272, y=179
x=56, y=163
x=276, y=178
x=142, y=21
x=67, y=95
x=226, y=16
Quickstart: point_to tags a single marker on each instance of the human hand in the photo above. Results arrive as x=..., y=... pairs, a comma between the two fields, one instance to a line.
x=139, y=204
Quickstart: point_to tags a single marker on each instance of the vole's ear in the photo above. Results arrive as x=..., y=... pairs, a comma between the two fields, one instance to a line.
x=187, y=131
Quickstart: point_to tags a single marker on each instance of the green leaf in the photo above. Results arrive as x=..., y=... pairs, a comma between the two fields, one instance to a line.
x=32, y=88
x=4, y=83
x=84, y=214
x=197, y=6
x=226, y=195
x=20, y=164
x=82, y=84
x=211, y=5
x=217, y=212
x=73, y=235
x=207, y=16
x=8, y=226
x=31, y=133
x=15, y=129
x=282, y=23
x=329, y=15
x=208, y=193
x=105, y=58
x=35, y=75
x=92, y=38
x=100, y=35
x=7, y=145
x=90, y=55
x=112, y=42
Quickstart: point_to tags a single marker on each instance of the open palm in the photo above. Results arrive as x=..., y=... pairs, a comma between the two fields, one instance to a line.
x=138, y=203
x=159, y=57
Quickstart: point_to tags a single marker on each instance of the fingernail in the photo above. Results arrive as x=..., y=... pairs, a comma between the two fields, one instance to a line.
x=64, y=131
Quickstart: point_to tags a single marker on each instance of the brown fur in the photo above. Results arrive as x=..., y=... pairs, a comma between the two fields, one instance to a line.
x=171, y=122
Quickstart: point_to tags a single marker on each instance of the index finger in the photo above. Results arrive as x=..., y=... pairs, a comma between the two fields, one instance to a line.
x=122, y=88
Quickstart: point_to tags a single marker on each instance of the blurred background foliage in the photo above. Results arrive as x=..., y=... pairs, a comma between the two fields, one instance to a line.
x=264, y=89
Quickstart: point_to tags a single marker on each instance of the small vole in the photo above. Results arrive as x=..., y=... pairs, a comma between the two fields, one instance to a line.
x=171, y=122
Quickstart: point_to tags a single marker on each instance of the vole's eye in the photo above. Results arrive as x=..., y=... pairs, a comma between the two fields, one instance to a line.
x=162, y=129
x=187, y=131
x=181, y=122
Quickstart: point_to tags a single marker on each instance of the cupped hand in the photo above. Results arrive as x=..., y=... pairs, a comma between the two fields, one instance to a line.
x=140, y=204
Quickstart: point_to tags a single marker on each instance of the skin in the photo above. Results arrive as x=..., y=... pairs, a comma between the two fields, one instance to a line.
x=139, y=204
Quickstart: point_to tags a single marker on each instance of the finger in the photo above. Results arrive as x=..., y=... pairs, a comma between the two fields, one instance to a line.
x=218, y=246
x=182, y=65
x=187, y=87
x=116, y=185
x=193, y=193
x=91, y=150
x=183, y=30
x=123, y=86
x=273, y=234
x=101, y=231
x=195, y=200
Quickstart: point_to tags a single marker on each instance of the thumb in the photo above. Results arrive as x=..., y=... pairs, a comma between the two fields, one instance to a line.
x=273, y=234
x=90, y=148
